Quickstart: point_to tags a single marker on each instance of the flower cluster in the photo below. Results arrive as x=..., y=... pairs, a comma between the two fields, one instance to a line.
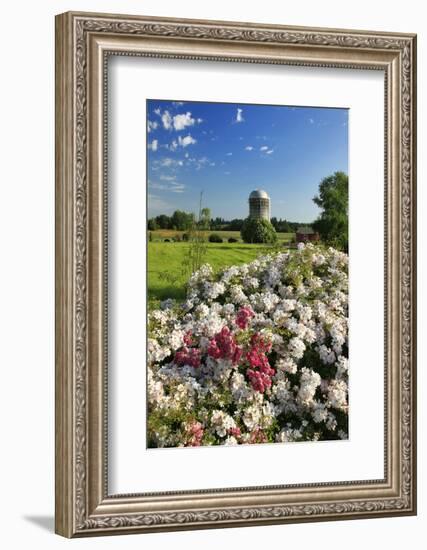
x=257, y=353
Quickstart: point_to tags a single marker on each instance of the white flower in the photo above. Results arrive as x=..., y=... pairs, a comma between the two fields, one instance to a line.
x=296, y=347
x=337, y=394
x=319, y=412
x=326, y=355
x=176, y=339
x=251, y=417
x=222, y=422
x=308, y=383
x=286, y=364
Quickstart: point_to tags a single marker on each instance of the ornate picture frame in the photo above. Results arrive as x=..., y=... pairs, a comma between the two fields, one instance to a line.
x=84, y=42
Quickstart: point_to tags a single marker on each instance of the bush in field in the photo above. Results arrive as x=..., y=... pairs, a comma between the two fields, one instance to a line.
x=185, y=237
x=233, y=240
x=258, y=231
x=214, y=238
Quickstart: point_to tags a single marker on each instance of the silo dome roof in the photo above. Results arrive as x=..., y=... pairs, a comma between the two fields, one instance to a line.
x=259, y=194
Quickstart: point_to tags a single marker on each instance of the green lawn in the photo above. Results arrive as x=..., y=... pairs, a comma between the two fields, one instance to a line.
x=165, y=259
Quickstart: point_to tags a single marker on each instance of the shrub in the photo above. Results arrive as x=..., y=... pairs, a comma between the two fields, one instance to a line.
x=256, y=230
x=233, y=240
x=167, y=241
x=214, y=238
x=259, y=358
x=185, y=237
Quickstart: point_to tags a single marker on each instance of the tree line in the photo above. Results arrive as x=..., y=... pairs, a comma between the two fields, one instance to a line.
x=183, y=221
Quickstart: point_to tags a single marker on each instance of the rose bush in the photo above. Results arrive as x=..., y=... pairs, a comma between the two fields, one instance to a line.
x=257, y=353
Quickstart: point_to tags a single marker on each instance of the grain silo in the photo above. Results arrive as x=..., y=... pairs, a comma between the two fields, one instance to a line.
x=259, y=205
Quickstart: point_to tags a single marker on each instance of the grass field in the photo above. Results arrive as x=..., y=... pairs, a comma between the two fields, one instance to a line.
x=165, y=262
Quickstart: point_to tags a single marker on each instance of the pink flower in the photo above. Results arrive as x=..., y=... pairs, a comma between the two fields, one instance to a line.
x=243, y=316
x=188, y=356
x=235, y=431
x=258, y=436
x=260, y=371
x=188, y=338
x=259, y=380
x=260, y=342
x=223, y=346
x=194, y=433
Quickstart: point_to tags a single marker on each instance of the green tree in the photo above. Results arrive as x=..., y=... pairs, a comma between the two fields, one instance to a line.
x=163, y=221
x=181, y=220
x=332, y=224
x=152, y=224
x=256, y=230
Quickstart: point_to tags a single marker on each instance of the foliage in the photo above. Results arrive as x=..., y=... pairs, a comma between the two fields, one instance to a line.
x=282, y=225
x=256, y=230
x=232, y=240
x=332, y=224
x=179, y=222
x=182, y=220
x=215, y=238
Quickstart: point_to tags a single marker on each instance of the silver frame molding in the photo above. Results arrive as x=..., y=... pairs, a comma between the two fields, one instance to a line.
x=83, y=43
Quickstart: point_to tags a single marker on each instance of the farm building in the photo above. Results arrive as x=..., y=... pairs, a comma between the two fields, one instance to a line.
x=259, y=205
x=306, y=233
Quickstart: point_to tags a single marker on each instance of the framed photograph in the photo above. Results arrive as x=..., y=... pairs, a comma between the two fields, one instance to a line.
x=235, y=274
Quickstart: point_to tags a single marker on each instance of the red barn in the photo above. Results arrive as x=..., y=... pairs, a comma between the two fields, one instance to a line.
x=306, y=234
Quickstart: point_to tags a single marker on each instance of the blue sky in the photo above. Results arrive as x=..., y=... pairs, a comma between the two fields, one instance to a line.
x=226, y=150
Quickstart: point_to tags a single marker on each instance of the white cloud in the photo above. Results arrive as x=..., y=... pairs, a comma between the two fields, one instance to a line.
x=263, y=148
x=228, y=154
x=177, y=103
x=172, y=187
x=175, y=122
x=198, y=163
x=177, y=188
x=152, y=125
x=166, y=120
x=187, y=140
x=311, y=120
x=168, y=162
x=239, y=115
x=154, y=145
x=164, y=177
x=182, y=121
x=249, y=148
x=269, y=152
